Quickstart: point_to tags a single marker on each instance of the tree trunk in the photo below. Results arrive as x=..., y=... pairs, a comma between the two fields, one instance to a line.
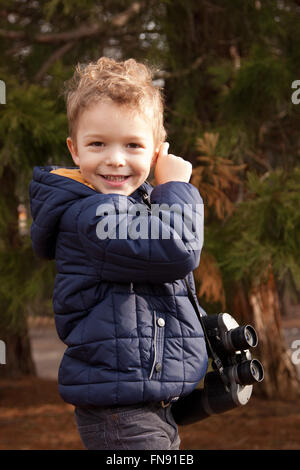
x=260, y=308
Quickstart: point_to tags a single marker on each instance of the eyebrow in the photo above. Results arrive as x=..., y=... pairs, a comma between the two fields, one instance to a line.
x=93, y=136
x=99, y=136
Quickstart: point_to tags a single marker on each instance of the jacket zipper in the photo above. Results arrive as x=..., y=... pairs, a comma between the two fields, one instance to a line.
x=155, y=350
x=146, y=200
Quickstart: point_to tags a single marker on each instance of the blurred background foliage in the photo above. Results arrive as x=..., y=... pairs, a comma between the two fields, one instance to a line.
x=226, y=69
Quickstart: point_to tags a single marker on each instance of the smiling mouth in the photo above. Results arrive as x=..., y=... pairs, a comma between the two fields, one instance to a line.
x=116, y=179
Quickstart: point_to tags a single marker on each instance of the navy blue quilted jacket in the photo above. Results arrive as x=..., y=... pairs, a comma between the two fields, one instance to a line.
x=120, y=305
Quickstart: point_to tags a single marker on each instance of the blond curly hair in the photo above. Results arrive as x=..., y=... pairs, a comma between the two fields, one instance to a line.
x=127, y=83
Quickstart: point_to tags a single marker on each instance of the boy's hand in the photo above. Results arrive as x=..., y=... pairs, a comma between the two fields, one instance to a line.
x=171, y=168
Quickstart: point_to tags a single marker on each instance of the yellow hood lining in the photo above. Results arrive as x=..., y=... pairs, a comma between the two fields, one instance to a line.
x=74, y=174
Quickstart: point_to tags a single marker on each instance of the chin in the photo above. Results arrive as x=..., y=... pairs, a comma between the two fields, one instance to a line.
x=115, y=191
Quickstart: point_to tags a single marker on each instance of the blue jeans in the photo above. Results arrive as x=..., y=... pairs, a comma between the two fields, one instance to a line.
x=146, y=426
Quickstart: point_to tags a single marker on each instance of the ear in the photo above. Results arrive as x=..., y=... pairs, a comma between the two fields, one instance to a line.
x=73, y=150
x=155, y=156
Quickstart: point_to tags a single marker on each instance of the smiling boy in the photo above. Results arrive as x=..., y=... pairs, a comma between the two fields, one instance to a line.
x=114, y=148
x=121, y=305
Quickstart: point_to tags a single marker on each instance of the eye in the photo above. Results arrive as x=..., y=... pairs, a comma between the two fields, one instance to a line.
x=96, y=144
x=134, y=145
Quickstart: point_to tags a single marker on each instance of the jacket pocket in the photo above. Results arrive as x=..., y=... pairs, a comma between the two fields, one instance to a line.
x=158, y=345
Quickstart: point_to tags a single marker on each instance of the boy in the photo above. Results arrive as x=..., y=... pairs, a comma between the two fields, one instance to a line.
x=134, y=342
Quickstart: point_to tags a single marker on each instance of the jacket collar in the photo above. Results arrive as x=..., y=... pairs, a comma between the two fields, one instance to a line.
x=46, y=174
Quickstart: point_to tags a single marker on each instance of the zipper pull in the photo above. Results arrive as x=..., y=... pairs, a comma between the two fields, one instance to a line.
x=146, y=199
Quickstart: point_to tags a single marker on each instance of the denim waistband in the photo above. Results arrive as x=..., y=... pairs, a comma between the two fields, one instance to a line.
x=118, y=407
x=91, y=413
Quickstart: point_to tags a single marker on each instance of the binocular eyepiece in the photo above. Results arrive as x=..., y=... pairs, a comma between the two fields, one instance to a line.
x=245, y=373
x=227, y=336
x=242, y=337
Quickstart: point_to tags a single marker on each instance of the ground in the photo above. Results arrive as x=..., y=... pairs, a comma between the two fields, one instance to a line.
x=33, y=416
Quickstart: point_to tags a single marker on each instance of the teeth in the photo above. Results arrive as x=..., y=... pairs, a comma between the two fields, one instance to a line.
x=115, y=178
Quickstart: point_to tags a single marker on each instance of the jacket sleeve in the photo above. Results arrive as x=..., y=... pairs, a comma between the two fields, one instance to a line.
x=128, y=242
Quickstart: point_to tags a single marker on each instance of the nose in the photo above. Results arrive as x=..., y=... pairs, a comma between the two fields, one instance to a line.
x=115, y=157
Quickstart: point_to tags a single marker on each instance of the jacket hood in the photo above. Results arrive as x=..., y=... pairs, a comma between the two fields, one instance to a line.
x=50, y=195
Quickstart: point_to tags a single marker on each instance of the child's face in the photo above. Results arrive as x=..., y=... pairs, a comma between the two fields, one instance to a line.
x=115, y=148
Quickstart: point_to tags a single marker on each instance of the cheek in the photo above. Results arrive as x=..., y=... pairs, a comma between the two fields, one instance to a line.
x=148, y=163
x=146, y=169
x=140, y=166
x=87, y=163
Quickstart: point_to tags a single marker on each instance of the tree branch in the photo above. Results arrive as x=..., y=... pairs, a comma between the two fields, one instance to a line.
x=53, y=58
x=164, y=74
x=122, y=18
x=76, y=34
x=83, y=31
x=9, y=34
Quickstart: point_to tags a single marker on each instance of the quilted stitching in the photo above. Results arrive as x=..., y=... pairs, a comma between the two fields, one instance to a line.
x=104, y=307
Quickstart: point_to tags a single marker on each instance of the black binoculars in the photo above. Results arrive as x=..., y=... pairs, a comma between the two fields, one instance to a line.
x=230, y=342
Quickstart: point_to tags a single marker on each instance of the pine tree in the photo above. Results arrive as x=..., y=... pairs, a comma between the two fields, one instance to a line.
x=40, y=44
x=262, y=245
x=248, y=56
x=227, y=69
x=31, y=129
